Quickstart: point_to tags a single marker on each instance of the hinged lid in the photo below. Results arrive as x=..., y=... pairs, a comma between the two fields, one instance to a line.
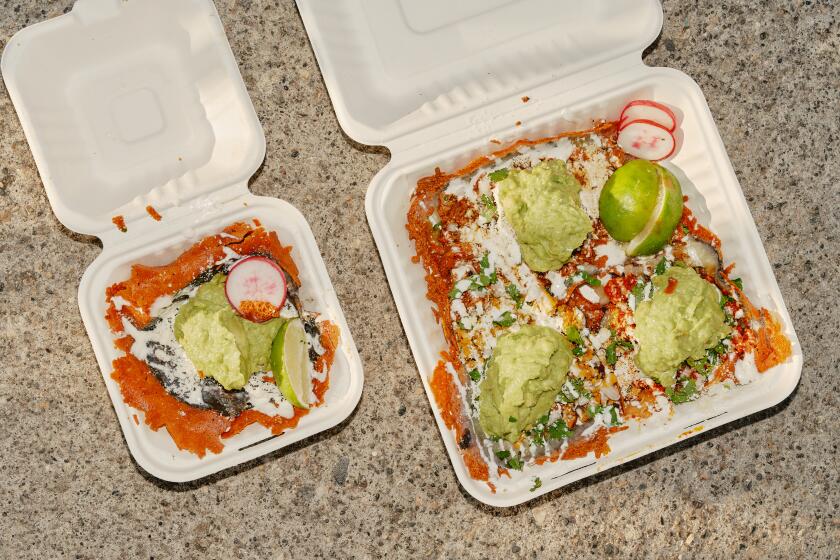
x=395, y=66
x=128, y=103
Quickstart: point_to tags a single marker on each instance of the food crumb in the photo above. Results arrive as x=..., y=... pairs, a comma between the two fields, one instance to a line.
x=119, y=221
x=525, y=99
x=518, y=123
x=495, y=141
x=257, y=222
x=153, y=213
x=136, y=420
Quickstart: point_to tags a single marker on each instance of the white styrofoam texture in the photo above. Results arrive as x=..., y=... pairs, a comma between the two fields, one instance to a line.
x=155, y=451
x=702, y=163
x=129, y=104
x=394, y=67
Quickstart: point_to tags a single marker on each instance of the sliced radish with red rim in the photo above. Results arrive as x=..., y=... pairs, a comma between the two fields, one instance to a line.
x=256, y=288
x=647, y=110
x=646, y=139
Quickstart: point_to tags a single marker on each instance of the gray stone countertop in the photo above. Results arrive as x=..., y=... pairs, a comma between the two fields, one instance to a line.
x=380, y=484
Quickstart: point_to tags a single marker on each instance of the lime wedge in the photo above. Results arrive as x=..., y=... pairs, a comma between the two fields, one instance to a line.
x=290, y=363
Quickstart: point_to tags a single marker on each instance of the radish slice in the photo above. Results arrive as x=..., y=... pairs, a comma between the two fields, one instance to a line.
x=256, y=288
x=646, y=139
x=644, y=109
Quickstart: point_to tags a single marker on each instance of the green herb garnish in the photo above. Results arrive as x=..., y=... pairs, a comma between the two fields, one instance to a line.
x=514, y=294
x=475, y=375
x=684, y=394
x=661, y=266
x=504, y=454
x=573, y=334
x=506, y=320
x=537, y=484
x=454, y=293
x=499, y=174
x=559, y=430
x=515, y=464
x=614, y=416
x=487, y=207
x=588, y=278
x=611, y=357
x=511, y=419
x=738, y=282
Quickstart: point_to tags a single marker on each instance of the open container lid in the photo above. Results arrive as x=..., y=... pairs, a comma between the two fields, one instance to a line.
x=129, y=103
x=393, y=67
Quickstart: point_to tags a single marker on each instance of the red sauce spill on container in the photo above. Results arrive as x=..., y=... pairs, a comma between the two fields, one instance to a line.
x=119, y=221
x=153, y=213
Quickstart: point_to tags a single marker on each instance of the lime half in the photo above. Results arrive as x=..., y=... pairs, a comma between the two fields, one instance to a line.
x=290, y=363
x=641, y=204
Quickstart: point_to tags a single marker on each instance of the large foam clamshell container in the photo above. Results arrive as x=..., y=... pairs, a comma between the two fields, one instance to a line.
x=440, y=82
x=133, y=103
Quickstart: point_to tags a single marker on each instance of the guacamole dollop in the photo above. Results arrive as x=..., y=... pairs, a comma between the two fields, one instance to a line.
x=677, y=323
x=219, y=342
x=523, y=376
x=542, y=205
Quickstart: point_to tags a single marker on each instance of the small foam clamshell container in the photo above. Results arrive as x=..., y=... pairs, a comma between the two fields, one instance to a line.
x=438, y=81
x=133, y=103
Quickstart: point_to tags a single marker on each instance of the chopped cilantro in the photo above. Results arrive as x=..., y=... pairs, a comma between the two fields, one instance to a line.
x=738, y=282
x=724, y=299
x=589, y=279
x=475, y=375
x=624, y=344
x=454, y=293
x=720, y=348
x=595, y=409
x=485, y=261
x=543, y=420
x=614, y=416
x=515, y=464
x=559, y=430
x=611, y=357
x=505, y=320
x=537, y=484
x=511, y=419
x=504, y=454
x=487, y=207
x=514, y=294
x=684, y=228
x=499, y=174
x=661, y=267
x=573, y=334
x=578, y=350
x=684, y=394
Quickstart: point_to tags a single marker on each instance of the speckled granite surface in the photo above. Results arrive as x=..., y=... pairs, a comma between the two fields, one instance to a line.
x=380, y=485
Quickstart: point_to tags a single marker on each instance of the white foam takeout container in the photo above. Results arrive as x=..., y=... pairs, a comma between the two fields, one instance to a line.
x=436, y=81
x=133, y=103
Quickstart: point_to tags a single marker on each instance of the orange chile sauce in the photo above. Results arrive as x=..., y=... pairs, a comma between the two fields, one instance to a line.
x=193, y=429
